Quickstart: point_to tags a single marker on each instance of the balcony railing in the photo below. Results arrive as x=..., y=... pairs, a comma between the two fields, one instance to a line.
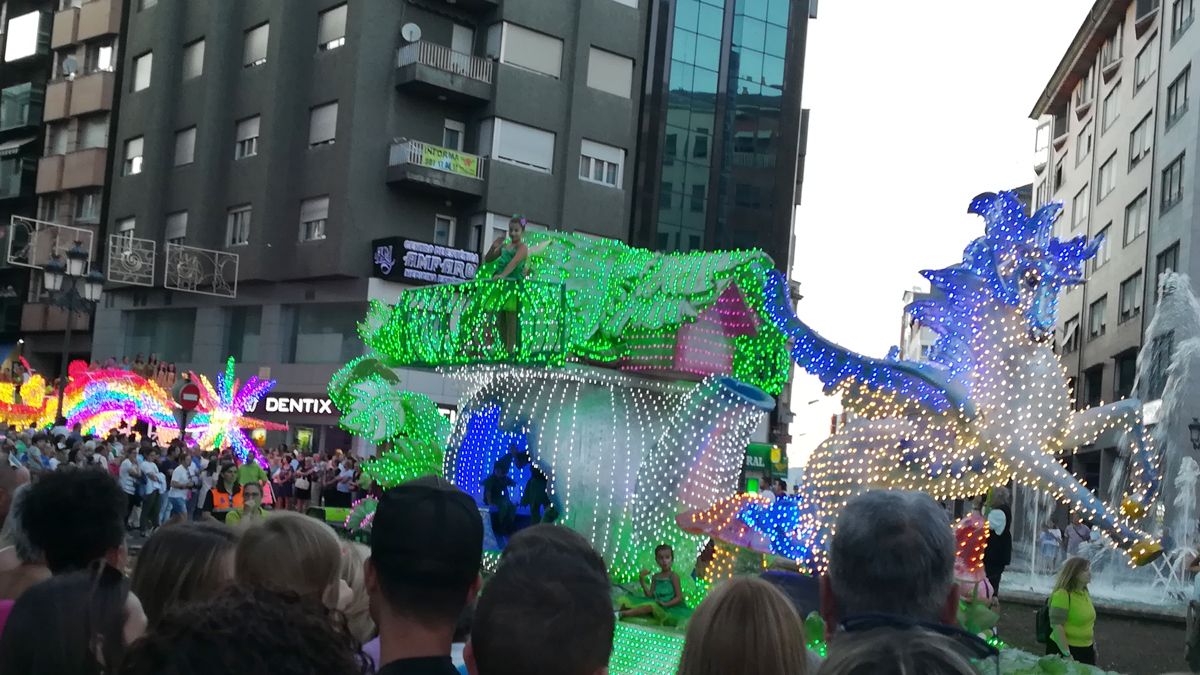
x=445, y=59
x=417, y=153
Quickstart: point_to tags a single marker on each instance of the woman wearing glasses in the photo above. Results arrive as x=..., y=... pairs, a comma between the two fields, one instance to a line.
x=1072, y=616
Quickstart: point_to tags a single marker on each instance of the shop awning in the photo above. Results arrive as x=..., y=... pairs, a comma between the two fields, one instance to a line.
x=11, y=147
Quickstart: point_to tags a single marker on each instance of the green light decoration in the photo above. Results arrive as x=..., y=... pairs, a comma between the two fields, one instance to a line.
x=595, y=301
x=408, y=427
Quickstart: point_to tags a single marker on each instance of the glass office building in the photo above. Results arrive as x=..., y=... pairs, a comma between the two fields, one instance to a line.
x=721, y=125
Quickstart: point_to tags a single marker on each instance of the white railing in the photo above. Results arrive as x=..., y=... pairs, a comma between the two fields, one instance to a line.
x=753, y=160
x=444, y=58
x=432, y=156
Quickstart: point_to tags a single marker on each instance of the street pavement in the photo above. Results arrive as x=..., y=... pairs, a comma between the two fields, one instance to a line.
x=1136, y=646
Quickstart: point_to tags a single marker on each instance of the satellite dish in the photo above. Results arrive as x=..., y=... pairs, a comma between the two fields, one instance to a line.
x=69, y=66
x=411, y=32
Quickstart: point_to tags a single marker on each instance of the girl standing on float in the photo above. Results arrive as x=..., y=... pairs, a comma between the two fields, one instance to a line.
x=513, y=260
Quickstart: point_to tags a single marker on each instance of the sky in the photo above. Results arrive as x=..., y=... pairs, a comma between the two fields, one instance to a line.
x=915, y=109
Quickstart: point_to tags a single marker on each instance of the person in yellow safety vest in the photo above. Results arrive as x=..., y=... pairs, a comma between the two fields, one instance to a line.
x=224, y=496
x=252, y=510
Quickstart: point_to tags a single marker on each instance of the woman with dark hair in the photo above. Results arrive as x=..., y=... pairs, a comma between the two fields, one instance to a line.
x=184, y=563
x=73, y=624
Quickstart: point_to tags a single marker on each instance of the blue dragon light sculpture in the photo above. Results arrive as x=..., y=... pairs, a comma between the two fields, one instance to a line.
x=993, y=403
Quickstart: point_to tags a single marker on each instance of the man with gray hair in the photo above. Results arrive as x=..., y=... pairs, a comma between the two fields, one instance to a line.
x=21, y=562
x=892, y=554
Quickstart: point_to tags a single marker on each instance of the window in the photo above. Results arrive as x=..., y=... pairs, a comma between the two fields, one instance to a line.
x=1043, y=194
x=1112, y=47
x=125, y=228
x=1167, y=261
x=1126, y=372
x=1070, y=339
x=1041, y=139
x=1130, y=301
x=245, y=331
x=1058, y=175
x=1083, y=143
x=599, y=163
x=193, y=59
x=1161, y=351
x=453, y=133
x=166, y=332
x=93, y=131
x=697, y=204
x=176, y=228
x=56, y=138
x=664, y=197
x=1106, y=180
x=1096, y=323
x=237, y=226
x=314, y=213
x=23, y=36
x=1140, y=140
x=1084, y=91
x=1172, y=183
x=1181, y=18
x=1137, y=216
x=254, y=46
x=87, y=206
x=1103, y=253
x=610, y=72
x=526, y=49
x=185, y=146
x=99, y=56
x=519, y=144
x=141, y=71
x=247, y=138
x=331, y=28
x=1079, y=208
x=320, y=332
x=322, y=124
x=443, y=230
x=133, y=157
x=1177, y=97
x=700, y=143
x=1093, y=383
x=670, y=149
x=1144, y=65
x=1111, y=109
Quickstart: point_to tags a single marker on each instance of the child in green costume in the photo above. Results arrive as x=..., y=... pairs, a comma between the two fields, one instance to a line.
x=663, y=599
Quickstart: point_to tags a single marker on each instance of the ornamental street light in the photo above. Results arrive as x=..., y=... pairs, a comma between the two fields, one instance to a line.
x=75, y=292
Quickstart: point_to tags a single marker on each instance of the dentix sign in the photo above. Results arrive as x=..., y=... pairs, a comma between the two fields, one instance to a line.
x=296, y=404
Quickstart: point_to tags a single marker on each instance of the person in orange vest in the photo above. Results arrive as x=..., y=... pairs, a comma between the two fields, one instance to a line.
x=225, y=495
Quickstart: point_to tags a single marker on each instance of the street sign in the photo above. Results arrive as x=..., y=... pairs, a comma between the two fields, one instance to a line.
x=188, y=396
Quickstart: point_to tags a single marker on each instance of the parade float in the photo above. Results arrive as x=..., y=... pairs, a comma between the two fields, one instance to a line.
x=629, y=382
x=103, y=399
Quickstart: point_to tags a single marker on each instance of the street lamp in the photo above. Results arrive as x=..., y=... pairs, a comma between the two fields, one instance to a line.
x=1194, y=427
x=75, y=292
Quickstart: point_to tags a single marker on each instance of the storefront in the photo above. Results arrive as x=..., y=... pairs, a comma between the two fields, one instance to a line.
x=312, y=421
x=764, y=463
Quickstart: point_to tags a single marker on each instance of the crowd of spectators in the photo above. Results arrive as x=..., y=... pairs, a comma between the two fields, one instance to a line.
x=285, y=594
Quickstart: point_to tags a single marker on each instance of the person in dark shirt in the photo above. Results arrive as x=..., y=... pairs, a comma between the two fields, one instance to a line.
x=426, y=550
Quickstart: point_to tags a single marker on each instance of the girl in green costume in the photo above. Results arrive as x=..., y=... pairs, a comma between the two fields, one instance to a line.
x=663, y=598
x=512, y=256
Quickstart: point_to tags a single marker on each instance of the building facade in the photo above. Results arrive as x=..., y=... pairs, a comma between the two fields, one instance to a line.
x=25, y=66
x=294, y=134
x=1116, y=144
x=72, y=172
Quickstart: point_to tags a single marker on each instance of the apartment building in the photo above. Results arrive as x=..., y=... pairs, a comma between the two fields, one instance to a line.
x=72, y=170
x=294, y=135
x=25, y=64
x=1116, y=144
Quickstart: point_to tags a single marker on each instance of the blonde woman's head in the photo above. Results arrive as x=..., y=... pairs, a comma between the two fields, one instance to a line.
x=894, y=651
x=358, y=606
x=293, y=553
x=745, y=625
x=182, y=564
x=1075, y=574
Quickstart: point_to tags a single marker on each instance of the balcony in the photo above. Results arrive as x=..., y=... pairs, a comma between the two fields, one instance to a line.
x=435, y=169
x=434, y=70
x=92, y=93
x=49, y=178
x=66, y=28
x=474, y=5
x=84, y=168
x=99, y=17
x=21, y=107
x=58, y=100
